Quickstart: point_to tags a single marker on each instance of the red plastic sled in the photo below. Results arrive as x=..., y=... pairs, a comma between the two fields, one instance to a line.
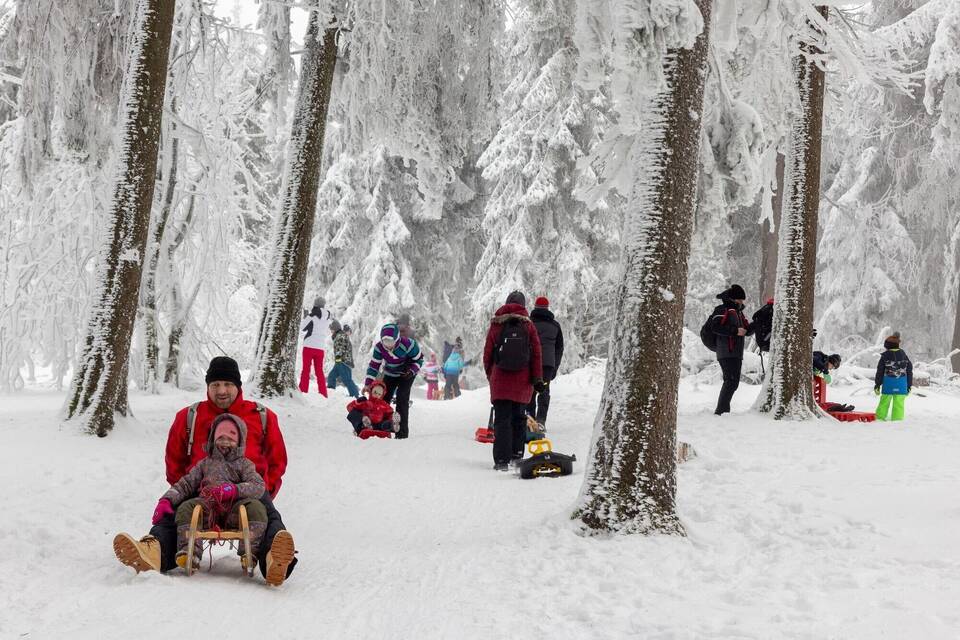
x=374, y=433
x=485, y=434
x=820, y=395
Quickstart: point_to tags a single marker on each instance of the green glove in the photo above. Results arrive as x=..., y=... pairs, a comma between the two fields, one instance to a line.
x=827, y=378
x=909, y=390
x=876, y=390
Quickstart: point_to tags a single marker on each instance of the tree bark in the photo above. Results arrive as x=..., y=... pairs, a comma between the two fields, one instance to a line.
x=100, y=375
x=630, y=483
x=789, y=392
x=274, y=368
x=770, y=240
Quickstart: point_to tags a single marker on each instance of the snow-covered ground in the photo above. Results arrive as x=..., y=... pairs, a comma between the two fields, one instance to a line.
x=796, y=530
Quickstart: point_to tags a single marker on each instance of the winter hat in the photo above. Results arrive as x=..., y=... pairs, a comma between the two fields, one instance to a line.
x=541, y=302
x=735, y=292
x=226, y=428
x=517, y=297
x=390, y=330
x=376, y=384
x=834, y=359
x=334, y=325
x=224, y=369
x=319, y=302
x=892, y=342
x=347, y=328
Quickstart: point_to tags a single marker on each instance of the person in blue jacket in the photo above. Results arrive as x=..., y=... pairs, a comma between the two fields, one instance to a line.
x=452, y=368
x=894, y=379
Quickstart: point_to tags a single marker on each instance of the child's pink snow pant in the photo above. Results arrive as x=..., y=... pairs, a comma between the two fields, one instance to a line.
x=314, y=357
x=432, y=388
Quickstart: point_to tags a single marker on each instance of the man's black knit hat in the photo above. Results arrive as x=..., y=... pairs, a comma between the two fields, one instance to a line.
x=223, y=368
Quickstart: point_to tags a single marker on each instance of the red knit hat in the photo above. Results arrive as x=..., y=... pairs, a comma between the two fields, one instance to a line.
x=541, y=302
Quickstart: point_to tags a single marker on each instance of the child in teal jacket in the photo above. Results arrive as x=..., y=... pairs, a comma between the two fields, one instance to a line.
x=894, y=380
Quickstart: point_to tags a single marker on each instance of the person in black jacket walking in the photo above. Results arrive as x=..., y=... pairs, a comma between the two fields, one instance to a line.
x=730, y=327
x=551, y=342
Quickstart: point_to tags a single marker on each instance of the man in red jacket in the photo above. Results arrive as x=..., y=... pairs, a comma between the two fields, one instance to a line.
x=185, y=447
x=512, y=359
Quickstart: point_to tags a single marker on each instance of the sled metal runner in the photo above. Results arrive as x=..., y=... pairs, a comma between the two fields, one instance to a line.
x=216, y=535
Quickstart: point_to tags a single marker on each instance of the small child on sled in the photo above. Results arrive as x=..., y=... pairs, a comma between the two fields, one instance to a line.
x=373, y=412
x=219, y=483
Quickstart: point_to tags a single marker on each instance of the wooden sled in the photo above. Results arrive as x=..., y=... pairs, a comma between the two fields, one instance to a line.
x=215, y=536
x=820, y=395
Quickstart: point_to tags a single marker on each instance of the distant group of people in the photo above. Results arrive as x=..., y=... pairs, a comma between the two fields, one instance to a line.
x=727, y=328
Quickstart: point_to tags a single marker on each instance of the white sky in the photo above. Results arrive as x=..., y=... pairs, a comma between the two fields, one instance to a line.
x=245, y=12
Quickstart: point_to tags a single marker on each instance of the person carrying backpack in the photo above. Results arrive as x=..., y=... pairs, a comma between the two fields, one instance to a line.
x=730, y=328
x=512, y=360
x=762, y=323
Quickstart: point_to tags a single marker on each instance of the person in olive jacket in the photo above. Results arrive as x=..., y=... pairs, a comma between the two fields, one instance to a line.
x=730, y=327
x=551, y=345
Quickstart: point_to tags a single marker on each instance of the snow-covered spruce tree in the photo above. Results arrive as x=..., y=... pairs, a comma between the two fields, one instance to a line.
x=99, y=382
x=538, y=236
x=293, y=233
x=658, y=79
x=789, y=393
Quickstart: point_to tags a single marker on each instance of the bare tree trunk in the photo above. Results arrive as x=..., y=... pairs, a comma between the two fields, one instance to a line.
x=178, y=312
x=789, y=391
x=274, y=368
x=769, y=239
x=100, y=379
x=630, y=483
x=150, y=333
x=955, y=344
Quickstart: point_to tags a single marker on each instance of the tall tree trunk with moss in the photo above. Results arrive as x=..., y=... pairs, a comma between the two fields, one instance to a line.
x=99, y=383
x=789, y=392
x=630, y=482
x=276, y=347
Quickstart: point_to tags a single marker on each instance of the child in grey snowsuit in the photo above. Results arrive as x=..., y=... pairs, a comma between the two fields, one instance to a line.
x=219, y=483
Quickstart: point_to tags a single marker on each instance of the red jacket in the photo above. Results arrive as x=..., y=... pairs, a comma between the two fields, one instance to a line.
x=512, y=385
x=266, y=450
x=377, y=410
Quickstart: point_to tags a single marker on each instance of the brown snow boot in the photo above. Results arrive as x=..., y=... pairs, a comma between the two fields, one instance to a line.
x=142, y=555
x=279, y=558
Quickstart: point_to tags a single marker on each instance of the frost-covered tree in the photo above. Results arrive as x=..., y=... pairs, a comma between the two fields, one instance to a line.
x=539, y=236
x=659, y=55
x=100, y=381
x=789, y=392
x=293, y=231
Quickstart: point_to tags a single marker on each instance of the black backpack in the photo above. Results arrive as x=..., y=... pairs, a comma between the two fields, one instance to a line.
x=763, y=326
x=707, y=336
x=512, y=352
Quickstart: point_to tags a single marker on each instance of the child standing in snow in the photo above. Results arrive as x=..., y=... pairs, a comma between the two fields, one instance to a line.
x=373, y=412
x=219, y=483
x=342, y=360
x=894, y=379
x=431, y=373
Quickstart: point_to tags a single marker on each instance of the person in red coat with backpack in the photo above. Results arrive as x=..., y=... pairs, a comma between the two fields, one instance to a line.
x=512, y=360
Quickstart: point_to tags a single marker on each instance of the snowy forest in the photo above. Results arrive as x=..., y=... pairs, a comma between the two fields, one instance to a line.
x=185, y=179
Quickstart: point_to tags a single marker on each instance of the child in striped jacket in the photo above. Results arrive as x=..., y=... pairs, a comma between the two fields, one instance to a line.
x=400, y=359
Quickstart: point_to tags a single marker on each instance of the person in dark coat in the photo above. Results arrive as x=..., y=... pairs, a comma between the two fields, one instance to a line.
x=730, y=327
x=512, y=360
x=551, y=345
x=762, y=323
x=824, y=364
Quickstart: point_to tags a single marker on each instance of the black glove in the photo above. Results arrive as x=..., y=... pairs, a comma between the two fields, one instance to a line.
x=539, y=385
